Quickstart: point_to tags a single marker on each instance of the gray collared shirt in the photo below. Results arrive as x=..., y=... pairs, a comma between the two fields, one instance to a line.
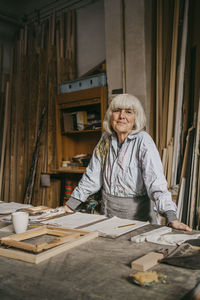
x=132, y=170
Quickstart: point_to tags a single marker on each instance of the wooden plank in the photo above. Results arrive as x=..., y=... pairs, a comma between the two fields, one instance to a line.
x=173, y=72
x=5, y=127
x=164, y=160
x=168, y=8
x=147, y=261
x=1, y=67
x=61, y=40
x=159, y=73
x=7, y=172
x=123, y=45
x=185, y=158
x=185, y=213
x=169, y=163
x=180, y=90
x=52, y=195
x=198, y=200
x=58, y=138
x=180, y=199
x=195, y=170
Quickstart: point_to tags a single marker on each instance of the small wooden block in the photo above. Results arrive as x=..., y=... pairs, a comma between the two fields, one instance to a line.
x=147, y=261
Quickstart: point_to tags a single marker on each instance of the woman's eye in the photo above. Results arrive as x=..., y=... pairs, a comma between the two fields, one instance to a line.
x=117, y=110
x=129, y=111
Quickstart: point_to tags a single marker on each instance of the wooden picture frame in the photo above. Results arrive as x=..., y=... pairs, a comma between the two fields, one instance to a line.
x=35, y=253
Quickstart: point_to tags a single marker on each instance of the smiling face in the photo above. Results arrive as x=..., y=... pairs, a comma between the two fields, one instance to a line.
x=123, y=121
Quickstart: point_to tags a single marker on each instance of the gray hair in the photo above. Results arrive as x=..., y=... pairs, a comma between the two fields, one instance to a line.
x=125, y=101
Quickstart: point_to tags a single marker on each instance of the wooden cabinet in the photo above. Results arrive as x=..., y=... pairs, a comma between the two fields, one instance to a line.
x=74, y=142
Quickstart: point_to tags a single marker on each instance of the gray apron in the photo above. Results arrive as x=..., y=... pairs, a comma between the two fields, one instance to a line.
x=137, y=208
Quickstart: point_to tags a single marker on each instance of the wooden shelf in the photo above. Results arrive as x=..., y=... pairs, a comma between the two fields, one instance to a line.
x=75, y=142
x=82, y=131
x=78, y=170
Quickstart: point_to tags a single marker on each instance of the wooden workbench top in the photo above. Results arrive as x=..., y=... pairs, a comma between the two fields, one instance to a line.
x=98, y=269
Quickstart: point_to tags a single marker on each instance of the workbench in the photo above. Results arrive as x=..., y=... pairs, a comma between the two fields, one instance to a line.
x=98, y=269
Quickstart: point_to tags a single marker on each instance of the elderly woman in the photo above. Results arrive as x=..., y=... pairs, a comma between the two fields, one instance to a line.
x=126, y=165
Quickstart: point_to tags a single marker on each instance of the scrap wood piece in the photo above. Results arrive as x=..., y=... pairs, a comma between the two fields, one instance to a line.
x=147, y=261
x=36, y=258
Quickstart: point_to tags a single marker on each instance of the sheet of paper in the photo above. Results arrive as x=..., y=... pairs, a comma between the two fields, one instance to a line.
x=75, y=220
x=115, y=226
x=8, y=228
x=10, y=207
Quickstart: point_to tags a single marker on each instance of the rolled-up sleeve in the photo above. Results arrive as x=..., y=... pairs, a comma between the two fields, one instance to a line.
x=155, y=181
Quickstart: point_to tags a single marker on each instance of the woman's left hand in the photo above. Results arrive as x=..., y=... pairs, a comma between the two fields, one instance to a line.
x=179, y=225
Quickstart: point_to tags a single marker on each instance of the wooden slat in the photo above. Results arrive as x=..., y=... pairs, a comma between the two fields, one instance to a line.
x=173, y=73
x=195, y=170
x=180, y=199
x=5, y=127
x=159, y=72
x=180, y=91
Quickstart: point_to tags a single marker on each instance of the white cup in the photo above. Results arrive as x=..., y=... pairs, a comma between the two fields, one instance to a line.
x=20, y=221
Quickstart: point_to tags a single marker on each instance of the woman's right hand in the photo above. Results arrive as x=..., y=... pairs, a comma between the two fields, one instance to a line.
x=67, y=209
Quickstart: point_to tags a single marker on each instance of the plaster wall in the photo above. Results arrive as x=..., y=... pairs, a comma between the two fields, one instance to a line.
x=90, y=37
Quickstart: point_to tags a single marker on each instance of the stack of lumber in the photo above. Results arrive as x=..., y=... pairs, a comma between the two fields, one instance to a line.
x=177, y=113
x=42, y=57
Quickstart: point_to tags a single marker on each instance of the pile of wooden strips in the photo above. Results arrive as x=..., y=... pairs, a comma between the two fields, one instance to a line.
x=42, y=58
x=175, y=106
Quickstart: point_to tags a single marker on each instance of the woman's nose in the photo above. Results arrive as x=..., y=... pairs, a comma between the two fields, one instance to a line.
x=121, y=114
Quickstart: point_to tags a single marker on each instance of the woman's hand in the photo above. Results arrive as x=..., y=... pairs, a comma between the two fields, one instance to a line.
x=179, y=225
x=66, y=209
